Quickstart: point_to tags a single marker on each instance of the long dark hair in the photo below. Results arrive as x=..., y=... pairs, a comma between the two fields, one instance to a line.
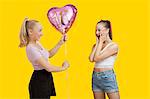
x=107, y=24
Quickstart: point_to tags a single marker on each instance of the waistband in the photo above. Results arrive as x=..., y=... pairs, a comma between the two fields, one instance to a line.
x=104, y=72
x=42, y=71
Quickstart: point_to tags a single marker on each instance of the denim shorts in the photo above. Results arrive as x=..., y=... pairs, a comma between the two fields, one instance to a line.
x=104, y=81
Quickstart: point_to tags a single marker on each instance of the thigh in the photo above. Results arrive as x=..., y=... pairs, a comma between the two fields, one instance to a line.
x=113, y=95
x=99, y=95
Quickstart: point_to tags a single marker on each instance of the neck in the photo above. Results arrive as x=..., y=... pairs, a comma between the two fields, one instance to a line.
x=32, y=41
x=108, y=40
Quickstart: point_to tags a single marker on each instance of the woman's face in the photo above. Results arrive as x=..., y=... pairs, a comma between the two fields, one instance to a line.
x=101, y=30
x=37, y=32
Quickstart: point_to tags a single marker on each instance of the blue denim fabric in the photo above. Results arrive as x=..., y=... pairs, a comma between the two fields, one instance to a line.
x=104, y=81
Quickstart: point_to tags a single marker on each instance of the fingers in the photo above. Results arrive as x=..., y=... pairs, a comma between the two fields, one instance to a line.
x=102, y=35
x=66, y=64
x=64, y=37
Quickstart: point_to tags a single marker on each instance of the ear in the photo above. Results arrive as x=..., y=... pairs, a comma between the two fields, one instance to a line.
x=107, y=31
x=30, y=31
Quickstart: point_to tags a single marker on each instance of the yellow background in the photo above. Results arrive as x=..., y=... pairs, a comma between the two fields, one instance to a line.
x=130, y=25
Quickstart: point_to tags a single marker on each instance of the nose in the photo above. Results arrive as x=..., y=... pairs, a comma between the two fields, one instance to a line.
x=97, y=33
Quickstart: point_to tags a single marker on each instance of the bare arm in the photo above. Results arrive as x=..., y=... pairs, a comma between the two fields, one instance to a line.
x=98, y=49
x=54, y=50
x=91, y=57
x=51, y=68
x=109, y=51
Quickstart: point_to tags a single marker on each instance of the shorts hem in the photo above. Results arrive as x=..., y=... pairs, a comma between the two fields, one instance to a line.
x=112, y=91
x=97, y=91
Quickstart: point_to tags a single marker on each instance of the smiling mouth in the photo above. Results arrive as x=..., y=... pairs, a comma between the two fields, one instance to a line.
x=98, y=36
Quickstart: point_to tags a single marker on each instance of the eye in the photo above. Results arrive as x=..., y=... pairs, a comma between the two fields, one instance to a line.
x=99, y=30
x=40, y=30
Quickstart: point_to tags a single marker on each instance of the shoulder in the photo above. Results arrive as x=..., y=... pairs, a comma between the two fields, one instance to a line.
x=114, y=46
x=30, y=48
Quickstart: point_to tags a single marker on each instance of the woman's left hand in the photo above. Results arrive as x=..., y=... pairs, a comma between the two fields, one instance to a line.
x=63, y=39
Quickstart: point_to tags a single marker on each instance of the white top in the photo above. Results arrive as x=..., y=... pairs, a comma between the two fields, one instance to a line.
x=33, y=53
x=107, y=62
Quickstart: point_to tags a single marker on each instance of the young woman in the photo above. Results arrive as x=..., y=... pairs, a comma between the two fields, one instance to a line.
x=104, y=53
x=41, y=84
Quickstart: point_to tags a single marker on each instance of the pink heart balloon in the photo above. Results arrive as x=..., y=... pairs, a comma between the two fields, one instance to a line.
x=62, y=18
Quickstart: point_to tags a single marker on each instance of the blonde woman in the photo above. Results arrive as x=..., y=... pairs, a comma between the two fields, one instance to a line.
x=103, y=54
x=41, y=85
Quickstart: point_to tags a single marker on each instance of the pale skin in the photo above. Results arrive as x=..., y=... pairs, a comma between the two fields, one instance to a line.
x=34, y=37
x=96, y=56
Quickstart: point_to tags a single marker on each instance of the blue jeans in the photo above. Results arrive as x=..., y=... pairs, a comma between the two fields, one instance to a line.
x=104, y=81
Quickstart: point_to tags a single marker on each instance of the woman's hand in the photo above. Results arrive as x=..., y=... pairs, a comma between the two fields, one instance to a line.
x=65, y=65
x=102, y=38
x=97, y=40
x=63, y=39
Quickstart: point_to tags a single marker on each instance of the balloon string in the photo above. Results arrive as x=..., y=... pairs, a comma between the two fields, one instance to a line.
x=65, y=51
x=67, y=73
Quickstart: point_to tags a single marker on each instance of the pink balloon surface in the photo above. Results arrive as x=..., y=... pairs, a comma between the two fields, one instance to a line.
x=62, y=18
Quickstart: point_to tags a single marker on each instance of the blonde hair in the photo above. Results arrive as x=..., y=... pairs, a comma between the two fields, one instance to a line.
x=24, y=36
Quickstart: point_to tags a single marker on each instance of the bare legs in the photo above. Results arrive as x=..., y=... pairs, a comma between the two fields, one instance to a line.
x=101, y=95
x=114, y=95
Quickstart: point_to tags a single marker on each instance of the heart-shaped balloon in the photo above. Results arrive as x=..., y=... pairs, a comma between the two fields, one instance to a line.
x=62, y=18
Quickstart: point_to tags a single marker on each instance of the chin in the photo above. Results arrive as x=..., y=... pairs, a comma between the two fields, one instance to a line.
x=38, y=39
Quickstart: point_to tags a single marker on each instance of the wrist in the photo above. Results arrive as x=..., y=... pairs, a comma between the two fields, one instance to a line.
x=97, y=43
x=60, y=43
x=100, y=43
x=63, y=68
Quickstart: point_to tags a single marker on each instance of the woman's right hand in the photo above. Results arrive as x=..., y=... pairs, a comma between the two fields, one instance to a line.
x=65, y=65
x=63, y=39
x=97, y=40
